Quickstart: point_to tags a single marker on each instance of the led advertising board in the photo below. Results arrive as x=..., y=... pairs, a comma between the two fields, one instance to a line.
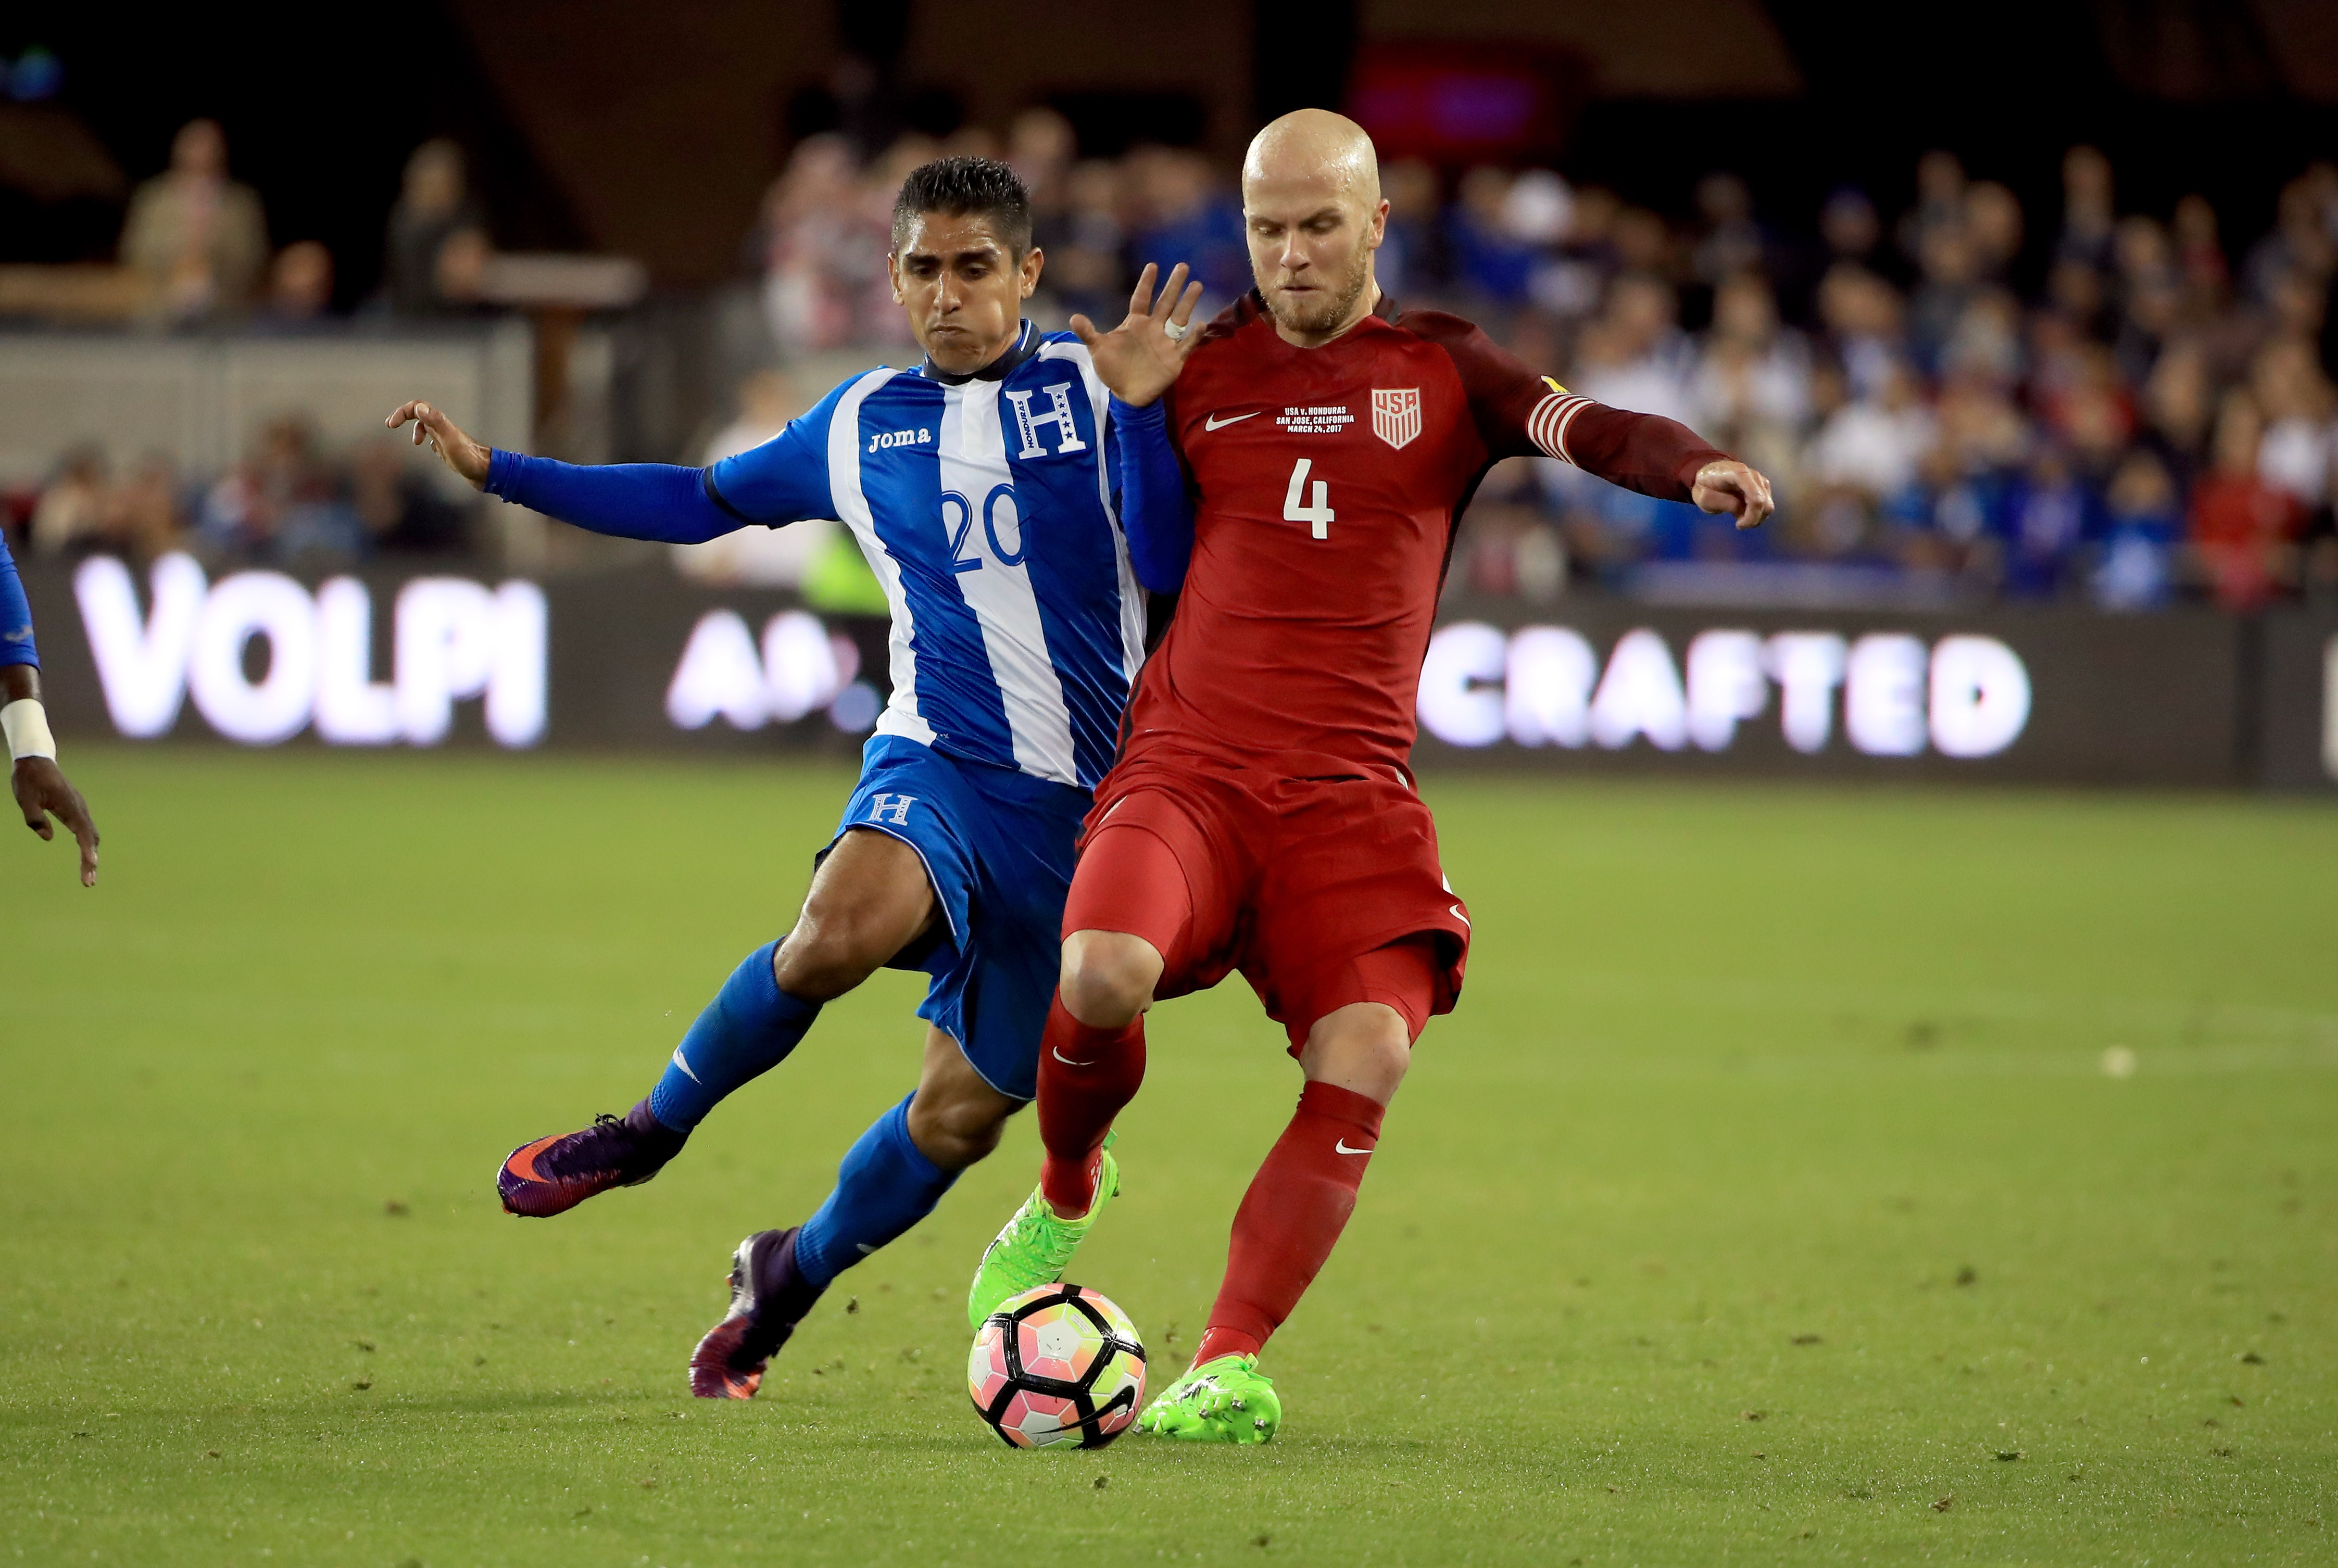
x=263, y=658
x=2297, y=715
x=633, y=660
x=454, y=639
x=2044, y=695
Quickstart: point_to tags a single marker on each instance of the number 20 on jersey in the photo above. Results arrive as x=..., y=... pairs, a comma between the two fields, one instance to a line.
x=997, y=506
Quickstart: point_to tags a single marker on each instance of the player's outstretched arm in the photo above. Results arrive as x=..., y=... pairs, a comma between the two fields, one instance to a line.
x=40, y=789
x=446, y=440
x=655, y=501
x=1737, y=488
x=1644, y=451
x=1139, y=359
x=1519, y=413
x=1652, y=454
x=1156, y=513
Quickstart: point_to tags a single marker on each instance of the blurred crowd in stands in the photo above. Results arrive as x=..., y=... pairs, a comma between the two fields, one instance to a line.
x=2151, y=417
x=287, y=504
x=195, y=246
x=1961, y=398
x=194, y=254
x=2147, y=415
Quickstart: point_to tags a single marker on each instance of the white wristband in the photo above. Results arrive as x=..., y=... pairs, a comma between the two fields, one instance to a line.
x=26, y=724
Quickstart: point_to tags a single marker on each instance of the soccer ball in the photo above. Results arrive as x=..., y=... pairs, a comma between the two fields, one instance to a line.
x=1059, y=1364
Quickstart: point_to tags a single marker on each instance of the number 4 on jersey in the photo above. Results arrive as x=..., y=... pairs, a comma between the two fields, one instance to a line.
x=1320, y=514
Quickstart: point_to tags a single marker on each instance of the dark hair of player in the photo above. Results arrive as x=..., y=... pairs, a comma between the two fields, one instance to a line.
x=962, y=188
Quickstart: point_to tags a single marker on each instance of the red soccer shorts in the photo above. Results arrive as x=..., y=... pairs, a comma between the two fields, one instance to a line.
x=1322, y=892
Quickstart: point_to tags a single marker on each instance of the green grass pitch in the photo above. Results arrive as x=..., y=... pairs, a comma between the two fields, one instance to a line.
x=1768, y=1199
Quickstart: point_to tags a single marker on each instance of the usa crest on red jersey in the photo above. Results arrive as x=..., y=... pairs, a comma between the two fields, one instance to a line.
x=1396, y=415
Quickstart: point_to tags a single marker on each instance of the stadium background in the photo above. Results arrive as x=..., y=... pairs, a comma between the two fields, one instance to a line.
x=1827, y=1159
x=2050, y=334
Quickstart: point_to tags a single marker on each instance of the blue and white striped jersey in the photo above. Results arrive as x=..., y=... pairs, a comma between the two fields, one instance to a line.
x=986, y=507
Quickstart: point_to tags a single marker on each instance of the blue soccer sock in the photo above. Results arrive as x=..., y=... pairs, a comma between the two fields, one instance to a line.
x=884, y=1187
x=747, y=1030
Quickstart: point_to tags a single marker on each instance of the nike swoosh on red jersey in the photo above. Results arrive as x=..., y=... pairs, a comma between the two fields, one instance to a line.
x=1215, y=423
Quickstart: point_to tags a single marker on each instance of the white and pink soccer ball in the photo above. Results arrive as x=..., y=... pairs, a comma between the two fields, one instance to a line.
x=1057, y=1365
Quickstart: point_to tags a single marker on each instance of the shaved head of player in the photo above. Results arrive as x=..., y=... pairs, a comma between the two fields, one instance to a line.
x=1311, y=205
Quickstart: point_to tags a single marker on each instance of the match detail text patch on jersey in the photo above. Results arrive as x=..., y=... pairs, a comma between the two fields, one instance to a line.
x=1315, y=419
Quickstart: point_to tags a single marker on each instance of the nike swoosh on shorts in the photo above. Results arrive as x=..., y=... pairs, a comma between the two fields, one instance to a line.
x=1341, y=1147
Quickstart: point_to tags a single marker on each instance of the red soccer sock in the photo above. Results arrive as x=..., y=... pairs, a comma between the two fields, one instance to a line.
x=1292, y=1216
x=1085, y=1075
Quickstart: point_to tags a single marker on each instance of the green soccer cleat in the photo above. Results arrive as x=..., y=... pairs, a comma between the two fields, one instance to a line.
x=1226, y=1400
x=1035, y=1248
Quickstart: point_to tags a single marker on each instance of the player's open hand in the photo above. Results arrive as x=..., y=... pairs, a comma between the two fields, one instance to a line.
x=456, y=450
x=42, y=789
x=1140, y=357
x=1729, y=485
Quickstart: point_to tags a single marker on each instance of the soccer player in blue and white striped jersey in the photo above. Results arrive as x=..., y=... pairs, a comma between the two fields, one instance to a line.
x=983, y=489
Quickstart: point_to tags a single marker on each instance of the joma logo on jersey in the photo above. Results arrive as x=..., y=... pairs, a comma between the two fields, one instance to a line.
x=1396, y=415
x=884, y=438
x=1026, y=424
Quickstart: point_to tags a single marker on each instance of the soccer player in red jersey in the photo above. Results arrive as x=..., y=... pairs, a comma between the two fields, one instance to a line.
x=1261, y=817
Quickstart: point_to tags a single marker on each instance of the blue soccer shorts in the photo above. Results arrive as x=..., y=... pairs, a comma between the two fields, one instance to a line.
x=999, y=846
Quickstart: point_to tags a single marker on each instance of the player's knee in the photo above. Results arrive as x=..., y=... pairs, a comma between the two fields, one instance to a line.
x=1107, y=977
x=1365, y=1046
x=822, y=959
x=870, y=899
x=956, y=1133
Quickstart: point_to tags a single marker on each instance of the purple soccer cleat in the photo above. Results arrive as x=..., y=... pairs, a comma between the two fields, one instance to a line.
x=767, y=1299
x=555, y=1174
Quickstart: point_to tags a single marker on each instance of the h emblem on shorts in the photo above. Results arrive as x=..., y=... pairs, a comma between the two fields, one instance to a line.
x=893, y=808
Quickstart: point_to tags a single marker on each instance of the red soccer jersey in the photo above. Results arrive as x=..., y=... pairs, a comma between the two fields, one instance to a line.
x=1330, y=481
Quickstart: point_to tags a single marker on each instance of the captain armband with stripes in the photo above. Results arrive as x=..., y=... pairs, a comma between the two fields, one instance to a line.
x=1548, y=422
